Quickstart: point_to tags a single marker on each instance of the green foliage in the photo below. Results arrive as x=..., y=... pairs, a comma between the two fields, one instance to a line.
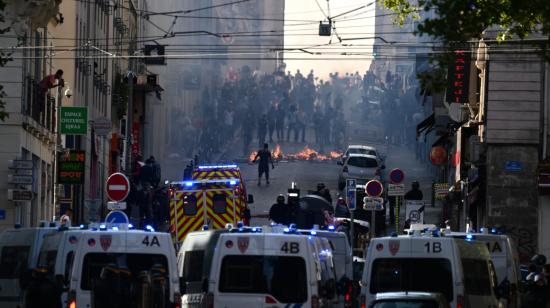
x=457, y=22
x=4, y=58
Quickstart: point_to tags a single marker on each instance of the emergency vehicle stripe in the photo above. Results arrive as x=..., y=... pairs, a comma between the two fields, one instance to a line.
x=218, y=221
x=190, y=223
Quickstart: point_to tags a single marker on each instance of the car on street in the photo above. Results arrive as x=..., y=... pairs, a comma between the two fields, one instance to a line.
x=363, y=149
x=409, y=300
x=362, y=167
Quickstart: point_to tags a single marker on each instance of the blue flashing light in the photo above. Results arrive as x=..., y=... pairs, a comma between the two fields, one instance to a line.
x=240, y=224
x=494, y=230
x=188, y=184
x=435, y=233
x=82, y=227
x=102, y=227
x=469, y=237
x=313, y=232
x=292, y=226
x=393, y=234
x=217, y=167
x=331, y=228
x=115, y=228
x=481, y=230
x=254, y=229
x=286, y=230
x=130, y=226
x=205, y=227
x=233, y=182
x=149, y=228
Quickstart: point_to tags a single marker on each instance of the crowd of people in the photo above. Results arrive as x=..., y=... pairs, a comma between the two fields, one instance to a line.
x=259, y=107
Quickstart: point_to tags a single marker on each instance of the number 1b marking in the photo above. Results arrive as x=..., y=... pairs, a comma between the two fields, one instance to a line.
x=435, y=247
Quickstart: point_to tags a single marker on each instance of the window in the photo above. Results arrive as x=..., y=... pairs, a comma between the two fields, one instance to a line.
x=15, y=260
x=129, y=267
x=362, y=162
x=285, y=278
x=476, y=277
x=219, y=204
x=193, y=265
x=190, y=206
x=46, y=260
x=408, y=274
x=400, y=303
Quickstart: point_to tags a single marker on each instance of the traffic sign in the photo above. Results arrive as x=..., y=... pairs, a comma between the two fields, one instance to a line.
x=20, y=179
x=351, y=184
x=102, y=126
x=414, y=211
x=351, y=199
x=20, y=164
x=118, y=187
x=397, y=176
x=114, y=205
x=73, y=120
x=117, y=217
x=373, y=204
x=396, y=189
x=19, y=195
x=374, y=188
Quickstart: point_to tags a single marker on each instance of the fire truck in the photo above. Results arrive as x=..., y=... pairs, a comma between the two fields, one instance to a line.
x=214, y=197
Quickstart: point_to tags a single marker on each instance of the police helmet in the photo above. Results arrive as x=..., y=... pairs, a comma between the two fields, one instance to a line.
x=280, y=198
x=320, y=186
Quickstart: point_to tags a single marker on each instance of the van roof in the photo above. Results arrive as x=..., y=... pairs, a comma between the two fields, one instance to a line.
x=263, y=243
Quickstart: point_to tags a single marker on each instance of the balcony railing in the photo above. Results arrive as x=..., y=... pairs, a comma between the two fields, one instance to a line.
x=40, y=105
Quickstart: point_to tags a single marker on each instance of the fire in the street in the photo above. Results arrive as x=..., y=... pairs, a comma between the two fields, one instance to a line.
x=305, y=154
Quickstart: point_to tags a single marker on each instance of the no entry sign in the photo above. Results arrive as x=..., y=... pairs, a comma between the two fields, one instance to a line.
x=397, y=176
x=374, y=188
x=118, y=187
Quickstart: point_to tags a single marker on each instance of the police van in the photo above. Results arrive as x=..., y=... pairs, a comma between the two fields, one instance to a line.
x=505, y=259
x=134, y=267
x=460, y=269
x=19, y=249
x=53, y=268
x=257, y=269
x=194, y=264
x=343, y=260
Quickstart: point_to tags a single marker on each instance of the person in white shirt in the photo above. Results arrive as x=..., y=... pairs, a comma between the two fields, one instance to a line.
x=66, y=218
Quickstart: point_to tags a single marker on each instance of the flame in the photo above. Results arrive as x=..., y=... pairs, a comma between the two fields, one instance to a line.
x=305, y=154
x=277, y=153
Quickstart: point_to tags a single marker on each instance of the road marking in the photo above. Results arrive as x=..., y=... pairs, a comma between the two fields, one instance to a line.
x=117, y=187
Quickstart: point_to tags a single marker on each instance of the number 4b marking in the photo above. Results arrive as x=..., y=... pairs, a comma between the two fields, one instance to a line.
x=292, y=247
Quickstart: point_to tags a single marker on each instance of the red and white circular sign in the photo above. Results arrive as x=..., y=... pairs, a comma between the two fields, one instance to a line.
x=118, y=187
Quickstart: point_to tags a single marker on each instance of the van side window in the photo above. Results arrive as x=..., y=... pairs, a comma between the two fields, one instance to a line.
x=190, y=206
x=219, y=204
x=193, y=265
x=476, y=277
x=14, y=261
x=69, y=265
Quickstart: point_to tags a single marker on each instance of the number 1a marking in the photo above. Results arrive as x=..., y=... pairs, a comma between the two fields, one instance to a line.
x=435, y=247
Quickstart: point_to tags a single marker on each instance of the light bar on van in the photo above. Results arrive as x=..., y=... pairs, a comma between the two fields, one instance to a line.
x=228, y=181
x=102, y=227
x=149, y=228
x=130, y=226
x=469, y=237
x=331, y=228
x=217, y=167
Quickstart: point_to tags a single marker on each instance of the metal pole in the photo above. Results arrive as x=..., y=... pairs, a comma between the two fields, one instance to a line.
x=397, y=198
x=372, y=223
x=129, y=120
x=352, y=230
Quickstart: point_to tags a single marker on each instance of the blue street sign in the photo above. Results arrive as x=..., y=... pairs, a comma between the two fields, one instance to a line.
x=351, y=184
x=397, y=176
x=513, y=166
x=351, y=196
x=2, y=214
x=117, y=217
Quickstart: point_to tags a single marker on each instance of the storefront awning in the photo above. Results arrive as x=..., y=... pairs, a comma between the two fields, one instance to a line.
x=425, y=125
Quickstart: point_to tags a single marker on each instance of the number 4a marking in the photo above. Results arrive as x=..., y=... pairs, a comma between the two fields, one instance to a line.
x=153, y=242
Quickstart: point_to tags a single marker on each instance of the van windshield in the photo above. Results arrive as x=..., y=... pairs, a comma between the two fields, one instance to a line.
x=14, y=261
x=412, y=274
x=130, y=276
x=285, y=278
x=362, y=162
x=476, y=277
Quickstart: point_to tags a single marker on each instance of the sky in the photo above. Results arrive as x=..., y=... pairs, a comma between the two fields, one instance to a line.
x=300, y=31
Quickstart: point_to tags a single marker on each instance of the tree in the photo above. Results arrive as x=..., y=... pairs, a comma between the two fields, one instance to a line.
x=458, y=22
x=4, y=58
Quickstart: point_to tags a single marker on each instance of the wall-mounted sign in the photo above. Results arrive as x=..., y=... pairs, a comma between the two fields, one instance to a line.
x=458, y=77
x=513, y=166
x=19, y=195
x=71, y=168
x=73, y=120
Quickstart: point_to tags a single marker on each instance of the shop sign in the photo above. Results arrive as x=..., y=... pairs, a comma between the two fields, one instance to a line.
x=71, y=168
x=458, y=77
x=73, y=120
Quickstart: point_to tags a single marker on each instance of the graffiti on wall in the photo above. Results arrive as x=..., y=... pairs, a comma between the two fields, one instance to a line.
x=525, y=239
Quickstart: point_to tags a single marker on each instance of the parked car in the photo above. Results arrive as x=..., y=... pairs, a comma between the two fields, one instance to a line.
x=362, y=167
x=410, y=300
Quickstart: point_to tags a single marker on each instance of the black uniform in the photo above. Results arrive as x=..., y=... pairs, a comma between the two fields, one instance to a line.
x=279, y=213
x=263, y=166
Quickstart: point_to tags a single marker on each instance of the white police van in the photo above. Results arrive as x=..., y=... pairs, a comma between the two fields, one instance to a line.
x=114, y=266
x=505, y=259
x=459, y=269
x=256, y=269
x=343, y=261
x=194, y=264
x=19, y=249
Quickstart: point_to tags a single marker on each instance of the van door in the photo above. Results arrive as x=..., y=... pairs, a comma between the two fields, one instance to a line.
x=187, y=212
x=221, y=207
x=478, y=283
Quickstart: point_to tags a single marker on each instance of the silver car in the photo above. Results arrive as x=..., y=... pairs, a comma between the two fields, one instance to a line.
x=409, y=300
x=362, y=167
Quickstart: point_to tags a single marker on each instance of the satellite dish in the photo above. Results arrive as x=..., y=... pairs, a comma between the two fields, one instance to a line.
x=456, y=112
